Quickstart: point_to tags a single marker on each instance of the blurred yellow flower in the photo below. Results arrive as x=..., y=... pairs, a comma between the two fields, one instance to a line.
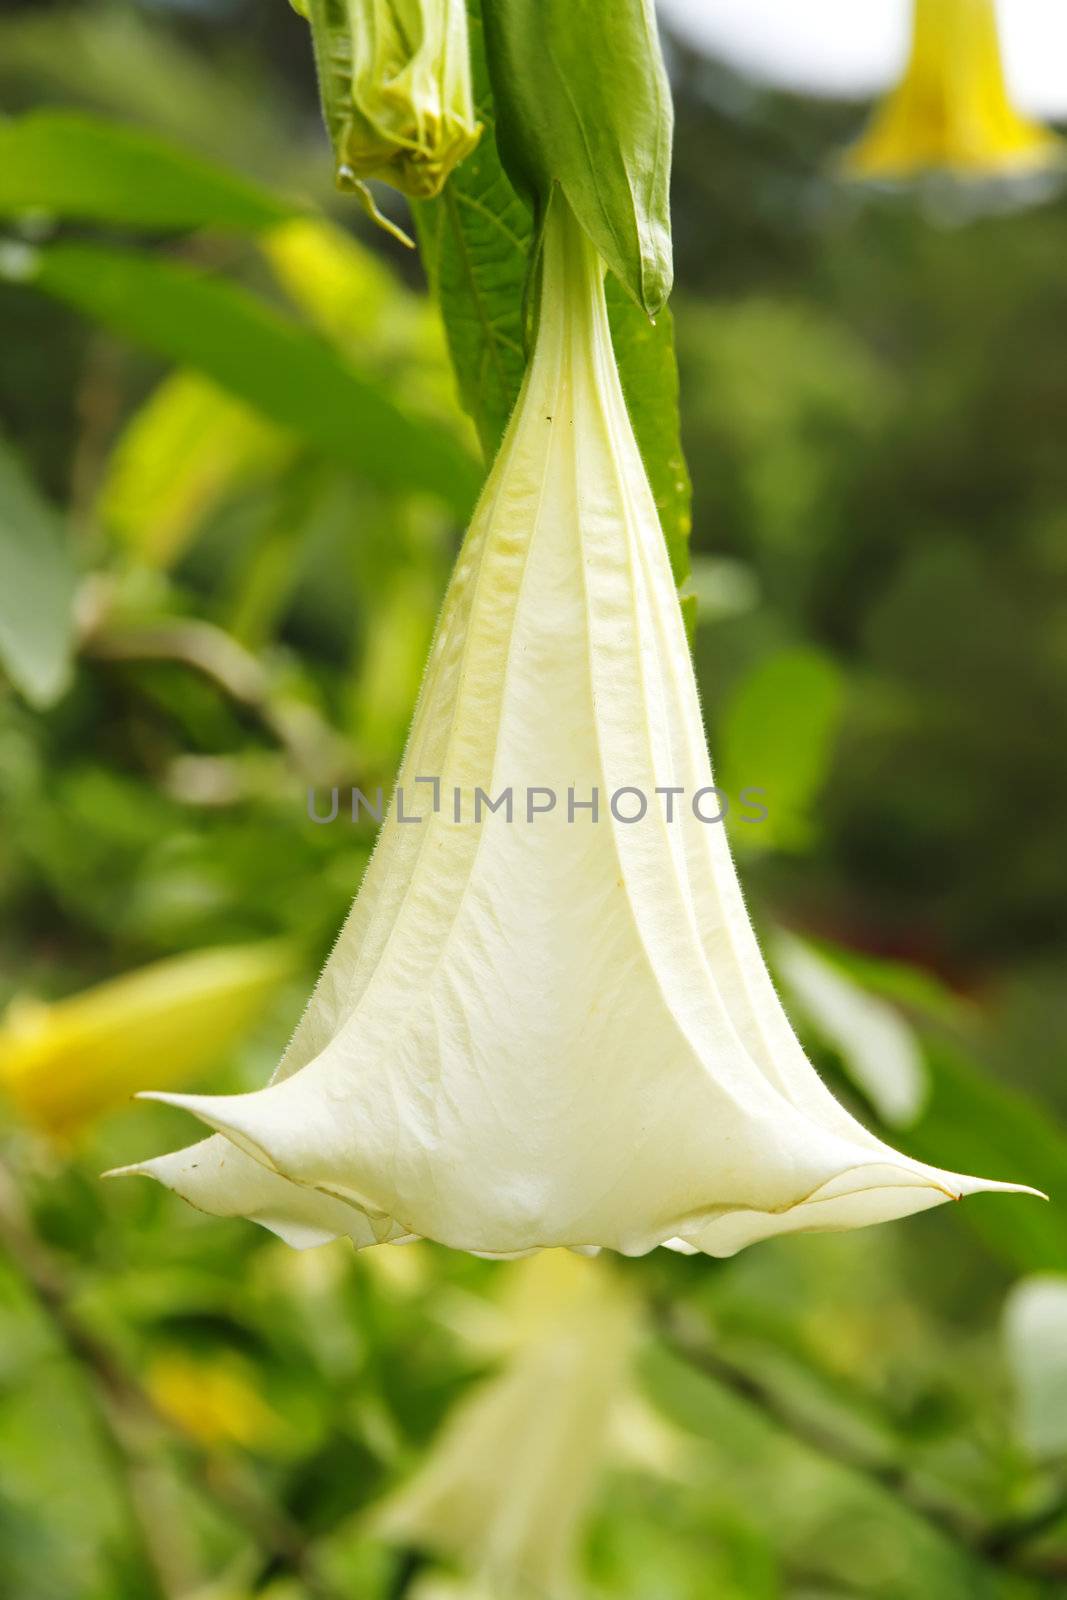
x=550, y=1023
x=395, y=83
x=66, y=1063
x=510, y=1480
x=215, y=1402
x=951, y=110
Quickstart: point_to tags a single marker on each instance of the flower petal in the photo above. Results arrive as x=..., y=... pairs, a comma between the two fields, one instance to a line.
x=216, y=1177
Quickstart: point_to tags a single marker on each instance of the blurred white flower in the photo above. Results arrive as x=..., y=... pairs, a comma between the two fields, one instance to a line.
x=1035, y=1336
x=507, y=1485
x=553, y=1029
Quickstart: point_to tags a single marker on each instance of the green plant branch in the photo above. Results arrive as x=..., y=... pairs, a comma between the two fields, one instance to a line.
x=315, y=748
x=1005, y=1545
x=125, y=1409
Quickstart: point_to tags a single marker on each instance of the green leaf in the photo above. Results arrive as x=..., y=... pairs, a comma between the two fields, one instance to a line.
x=276, y=365
x=36, y=587
x=972, y=1123
x=583, y=101
x=649, y=373
x=131, y=63
x=476, y=240
x=777, y=736
x=73, y=165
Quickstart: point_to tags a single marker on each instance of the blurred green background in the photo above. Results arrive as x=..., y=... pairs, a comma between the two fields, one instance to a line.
x=874, y=394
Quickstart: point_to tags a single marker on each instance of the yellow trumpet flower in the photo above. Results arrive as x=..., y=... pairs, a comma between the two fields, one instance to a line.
x=66, y=1063
x=951, y=110
x=547, y=1020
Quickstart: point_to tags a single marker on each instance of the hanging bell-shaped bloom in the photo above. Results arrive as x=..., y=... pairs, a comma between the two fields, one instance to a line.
x=506, y=1487
x=550, y=1023
x=395, y=83
x=951, y=110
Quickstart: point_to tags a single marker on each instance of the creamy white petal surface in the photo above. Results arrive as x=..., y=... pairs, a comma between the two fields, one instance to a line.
x=552, y=1032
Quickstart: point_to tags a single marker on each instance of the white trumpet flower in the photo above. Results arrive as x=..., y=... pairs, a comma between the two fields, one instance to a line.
x=553, y=1028
x=506, y=1487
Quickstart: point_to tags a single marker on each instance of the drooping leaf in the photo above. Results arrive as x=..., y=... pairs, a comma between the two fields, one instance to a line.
x=276, y=365
x=583, y=101
x=71, y=164
x=36, y=587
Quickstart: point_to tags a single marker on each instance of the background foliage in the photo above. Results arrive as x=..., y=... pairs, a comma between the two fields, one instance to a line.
x=231, y=434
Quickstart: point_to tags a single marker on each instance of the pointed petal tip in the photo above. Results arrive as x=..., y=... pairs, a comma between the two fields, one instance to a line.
x=207, y=1108
x=962, y=1187
x=225, y=1114
x=166, y=1098
x=136, y=1169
